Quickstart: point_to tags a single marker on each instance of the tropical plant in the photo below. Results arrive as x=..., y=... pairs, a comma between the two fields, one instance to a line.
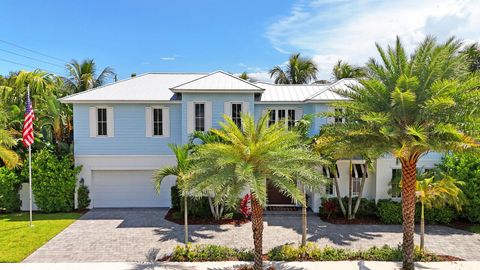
x=408, y=106
x=248, y=156
x=436, y=193
x=472, y=52
x=180, y=170
x=7, y=141
x=244, y=76
x=83, y=76
x=299, y=70
x=342, y=70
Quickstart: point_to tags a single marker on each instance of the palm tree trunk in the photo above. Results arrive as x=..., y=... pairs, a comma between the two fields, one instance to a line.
x=304, y=219
x=337, y=191
x=422, y=228
x=185, y=218
x=350, y=184
x=409, y=177
x=257, y=228
x=360, y=193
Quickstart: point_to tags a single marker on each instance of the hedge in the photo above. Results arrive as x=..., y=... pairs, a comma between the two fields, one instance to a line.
x=367, y=207
x=197, y=207
x=9, y=187
x=390, y=212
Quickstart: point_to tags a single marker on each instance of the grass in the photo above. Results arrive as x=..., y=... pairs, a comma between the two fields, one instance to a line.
x=475, y=228
x=18, y=240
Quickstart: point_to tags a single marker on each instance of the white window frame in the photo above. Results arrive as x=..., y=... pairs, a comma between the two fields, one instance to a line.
x=204, y=116
x=239, y=116
x=161, y=122
x=97, y=109
x=93, y=121
x=149, y=123
x=298, y=114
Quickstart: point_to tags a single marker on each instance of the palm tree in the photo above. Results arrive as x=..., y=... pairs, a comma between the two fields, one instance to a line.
x=7, y=141
x=244, y=76
x=248, y=156
x=299, y=70
x=436, y=193
x=180, y=170
x=472, y=52
x=408, y=106
x=83, y=76
x=342, y=70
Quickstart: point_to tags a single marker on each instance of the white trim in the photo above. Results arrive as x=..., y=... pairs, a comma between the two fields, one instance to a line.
x=208, y=115
x=190, y=117
x=92, y=121
x=122, y=101
x=165, y=121
x=110, y=122
x=148, y=122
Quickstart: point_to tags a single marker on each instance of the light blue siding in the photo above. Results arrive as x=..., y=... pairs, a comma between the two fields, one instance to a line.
x=130, y=137
x=218, y=100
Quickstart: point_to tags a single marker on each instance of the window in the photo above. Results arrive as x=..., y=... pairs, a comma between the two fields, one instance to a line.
x=272, y=118
x=286, y=115
x=157, y=122
x=329, y=188
x=101, y=121
x=357, y=175
x=339, y=119
x=236, y=112
x=199, y=116
x=291, y=118
x=395, y=190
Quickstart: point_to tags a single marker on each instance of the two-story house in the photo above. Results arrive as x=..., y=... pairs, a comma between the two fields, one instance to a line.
x=122, y=131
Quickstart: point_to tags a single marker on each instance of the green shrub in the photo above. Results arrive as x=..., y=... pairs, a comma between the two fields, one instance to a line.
x=196, y=253
x=367, y=207
x=197, y=207
x=53, y=181
x=83, y=197
x=443, y=215
x=466, y=167
x=175, y=198
x=389, y=212
x=9, y=187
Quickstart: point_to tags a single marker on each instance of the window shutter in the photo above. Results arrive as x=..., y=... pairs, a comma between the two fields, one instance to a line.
x=110, y=122
x=148, y=122
x=227, y=108
x=245, y=108
x=166, y=122
x=208, y=115
x=92, y=121
x=298, y=114
x=190, y=116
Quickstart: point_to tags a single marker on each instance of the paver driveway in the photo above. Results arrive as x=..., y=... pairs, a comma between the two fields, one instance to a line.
x=127, y=235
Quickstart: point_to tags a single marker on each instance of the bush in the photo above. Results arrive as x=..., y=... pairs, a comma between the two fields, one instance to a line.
x=9, y=187
x=53, y=182
x=331, y=207
x=197, y=207
x=83, y=197
x=198, y=253
x=466, y=167
x=389, y=212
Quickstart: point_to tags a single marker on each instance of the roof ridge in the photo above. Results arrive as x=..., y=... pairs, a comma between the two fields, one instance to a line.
x=213, y=73
x=328, y=88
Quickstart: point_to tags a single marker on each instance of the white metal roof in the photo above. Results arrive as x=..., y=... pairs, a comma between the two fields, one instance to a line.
x=289, y=92
x=147, y=87
x=216, y=82
x=331, y=91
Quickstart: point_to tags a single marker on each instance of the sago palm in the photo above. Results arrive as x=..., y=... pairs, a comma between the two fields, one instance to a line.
x=409, y=106
x=342, y=70
x=244, y=160
x=83, y=76
x=299, y=70
x=436, y=193
x=181, y=171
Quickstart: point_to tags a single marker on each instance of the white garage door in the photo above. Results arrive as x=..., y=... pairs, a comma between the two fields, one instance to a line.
x=129, y=189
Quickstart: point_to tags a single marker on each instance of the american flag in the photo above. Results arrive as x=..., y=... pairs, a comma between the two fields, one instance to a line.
x=27, y=131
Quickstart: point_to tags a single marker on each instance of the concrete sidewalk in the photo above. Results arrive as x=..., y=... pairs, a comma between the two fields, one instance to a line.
x=342, y=265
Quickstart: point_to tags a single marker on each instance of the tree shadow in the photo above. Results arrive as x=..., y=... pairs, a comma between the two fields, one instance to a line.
x=195, y=232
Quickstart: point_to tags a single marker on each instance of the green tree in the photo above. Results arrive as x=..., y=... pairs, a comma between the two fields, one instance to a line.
x=83, y=76
x=181, y=171
x=299, y=70
x=244, y=76
x=410, y=105
x=472, y=52
x=436, y=193
x=342, y=70
x=248, y=156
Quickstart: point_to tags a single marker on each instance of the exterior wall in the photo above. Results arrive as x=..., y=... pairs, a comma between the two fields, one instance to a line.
x=218, y=100
x=130, y=132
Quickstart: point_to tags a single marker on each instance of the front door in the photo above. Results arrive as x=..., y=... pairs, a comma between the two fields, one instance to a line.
x=275, y=197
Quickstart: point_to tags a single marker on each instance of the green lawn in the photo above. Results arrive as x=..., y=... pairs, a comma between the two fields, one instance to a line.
x=18, y=240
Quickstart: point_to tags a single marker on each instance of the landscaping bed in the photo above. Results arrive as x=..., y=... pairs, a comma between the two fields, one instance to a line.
x=289, y=252
x=177, y=217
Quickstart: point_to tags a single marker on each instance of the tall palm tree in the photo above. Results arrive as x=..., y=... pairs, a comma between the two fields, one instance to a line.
x=248, y=156
x=83, y=76
x=342, y=70
x=299, y=70
x=410, y=105
x=181, y=171
x=436, y=193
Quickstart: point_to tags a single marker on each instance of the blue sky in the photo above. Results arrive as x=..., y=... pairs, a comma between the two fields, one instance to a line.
x=253, y=36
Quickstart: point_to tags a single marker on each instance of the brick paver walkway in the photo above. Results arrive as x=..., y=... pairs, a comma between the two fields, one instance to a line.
x=127, y=234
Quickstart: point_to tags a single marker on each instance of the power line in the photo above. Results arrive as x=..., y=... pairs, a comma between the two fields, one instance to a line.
x=32, y=58
x=37, y=52
x=25, y=65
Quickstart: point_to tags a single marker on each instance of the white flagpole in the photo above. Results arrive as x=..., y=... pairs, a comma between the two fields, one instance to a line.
x=30, y=170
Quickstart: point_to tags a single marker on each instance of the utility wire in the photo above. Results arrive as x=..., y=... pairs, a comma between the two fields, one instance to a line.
x=25, y=65
x=37, y=52
x=32, y=58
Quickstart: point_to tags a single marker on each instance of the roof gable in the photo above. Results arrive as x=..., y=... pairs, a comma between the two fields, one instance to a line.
x=218, y=81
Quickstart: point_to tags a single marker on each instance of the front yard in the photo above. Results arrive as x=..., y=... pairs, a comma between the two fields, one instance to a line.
x=18, y=240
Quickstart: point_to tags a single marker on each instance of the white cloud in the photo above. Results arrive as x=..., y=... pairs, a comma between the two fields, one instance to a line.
x=328, y=30
x=167, y=58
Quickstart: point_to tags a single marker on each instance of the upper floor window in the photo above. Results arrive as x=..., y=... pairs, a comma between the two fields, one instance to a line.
x=236, y=113
x=157, y=122
x=199, y=116
x=102, y=122
x=339, y=119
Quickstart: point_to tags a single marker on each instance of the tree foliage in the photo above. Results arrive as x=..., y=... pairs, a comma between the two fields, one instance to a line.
x=298, y=70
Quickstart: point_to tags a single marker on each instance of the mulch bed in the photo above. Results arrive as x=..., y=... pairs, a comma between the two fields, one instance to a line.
x=461, y=224
x=448, y=258
x=356, y=221
x=204, y=221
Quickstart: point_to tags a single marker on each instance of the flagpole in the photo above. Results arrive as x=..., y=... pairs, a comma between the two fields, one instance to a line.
x=30, y=171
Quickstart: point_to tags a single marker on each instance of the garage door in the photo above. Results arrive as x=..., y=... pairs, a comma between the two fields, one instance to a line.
x=129, y=189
